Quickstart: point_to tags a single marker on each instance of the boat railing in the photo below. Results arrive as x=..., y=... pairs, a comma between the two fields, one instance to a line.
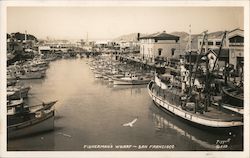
x=32, y=121
x=200, y=116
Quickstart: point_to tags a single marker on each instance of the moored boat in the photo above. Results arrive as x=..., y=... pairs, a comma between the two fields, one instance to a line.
x=39, y=122
x=24, y=120
x=131, y=80
x=233, y=95
x=31, y=75
x=191, y=111
x=11, y=82
x=17, y=92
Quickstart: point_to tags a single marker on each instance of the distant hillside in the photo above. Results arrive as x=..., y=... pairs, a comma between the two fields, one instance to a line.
x=182, y=35
x=21, y=36
x=128, y=37
x=183, y=39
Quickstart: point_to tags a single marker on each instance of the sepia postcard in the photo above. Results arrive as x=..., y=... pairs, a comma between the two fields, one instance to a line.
x=124, y=79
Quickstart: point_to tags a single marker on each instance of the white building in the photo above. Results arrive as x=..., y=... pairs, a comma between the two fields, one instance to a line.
x=213, y=40
x=234, y=42
x=236, y=48
x=42, y=49
x=159, y=45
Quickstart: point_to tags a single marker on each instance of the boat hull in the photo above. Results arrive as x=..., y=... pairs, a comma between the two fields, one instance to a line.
x=22, y=93
x=35, y=75
x=191, y=117
x=11, y=82
x=36, y=125
x=232, y=99
x=98, y=75
x=117, y=81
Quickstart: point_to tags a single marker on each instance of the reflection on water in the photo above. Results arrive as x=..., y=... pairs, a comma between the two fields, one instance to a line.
x=209, y=140
x=40, y=142
x=92, y=111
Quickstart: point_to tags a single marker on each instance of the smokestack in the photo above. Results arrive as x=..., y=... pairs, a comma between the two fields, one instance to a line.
x=25, y=37
x=138, y=36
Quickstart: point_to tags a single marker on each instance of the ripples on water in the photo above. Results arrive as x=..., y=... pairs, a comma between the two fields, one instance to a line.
x=92, y=111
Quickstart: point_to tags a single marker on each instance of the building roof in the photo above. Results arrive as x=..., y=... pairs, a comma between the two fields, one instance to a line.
x=237, y=29
x=161, y=36
x=236, y=32
x=219, y=34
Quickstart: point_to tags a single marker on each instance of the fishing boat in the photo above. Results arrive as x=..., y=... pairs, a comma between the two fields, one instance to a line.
x=11, y=82
x=11, y=78
x=132, y=79
x=233, y=98
x=26, y=75
x=17, y=92
x=192, y=101
x=39, y=63
x=15, y=103
x=233, y=95
x=25, y=120
x=114, y=73
x=40, y=122
x=171, y=99
x=17, y=109
x=98, y=74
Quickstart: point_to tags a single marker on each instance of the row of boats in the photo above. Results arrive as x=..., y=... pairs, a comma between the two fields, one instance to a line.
x=197, y=97
x=119, y=73
x=24, y=119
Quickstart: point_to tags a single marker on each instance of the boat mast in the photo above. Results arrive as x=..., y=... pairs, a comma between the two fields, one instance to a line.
x=221, y=44
x=193, y=70
x=190, y=66
x=209, y=76
x=204, y=40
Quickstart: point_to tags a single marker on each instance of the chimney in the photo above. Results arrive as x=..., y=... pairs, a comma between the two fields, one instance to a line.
x=138, y=36
x=25, y=37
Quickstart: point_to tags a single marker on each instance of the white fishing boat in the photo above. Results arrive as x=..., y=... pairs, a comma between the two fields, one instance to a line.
x=131, y=80
x=172, y=102
x=98, y=74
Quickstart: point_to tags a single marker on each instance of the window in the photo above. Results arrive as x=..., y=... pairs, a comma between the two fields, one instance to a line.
x=173, y=50
x=218, y=43
x=236, y=39
x=210, y=43
x=159, y=51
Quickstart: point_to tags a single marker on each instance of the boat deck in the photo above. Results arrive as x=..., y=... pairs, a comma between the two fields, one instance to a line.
x=215, y=113
x=172, y=96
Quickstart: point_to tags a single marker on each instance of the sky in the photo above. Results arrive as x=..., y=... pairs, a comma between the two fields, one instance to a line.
x=111, y=22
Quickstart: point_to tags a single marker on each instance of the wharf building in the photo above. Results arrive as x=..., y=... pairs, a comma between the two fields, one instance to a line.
x=233, y=47
x=159, y=45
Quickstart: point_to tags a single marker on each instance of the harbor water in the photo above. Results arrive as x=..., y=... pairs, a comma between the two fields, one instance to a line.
x=90, y=114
